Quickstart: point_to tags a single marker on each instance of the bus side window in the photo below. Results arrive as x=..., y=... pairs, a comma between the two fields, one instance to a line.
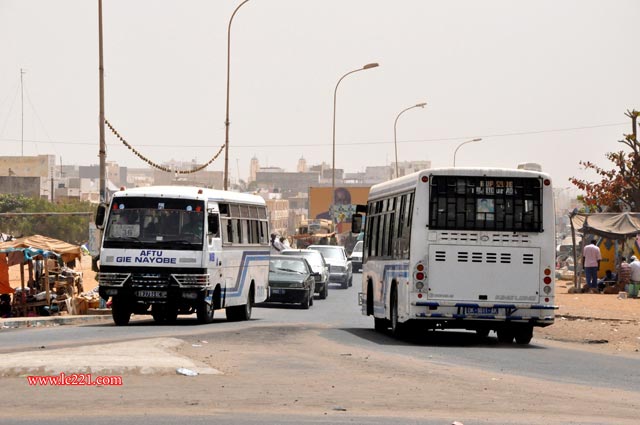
x=213, y=221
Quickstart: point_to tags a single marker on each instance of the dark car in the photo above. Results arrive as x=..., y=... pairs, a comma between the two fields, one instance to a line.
x=318, y=265
x=291, y=280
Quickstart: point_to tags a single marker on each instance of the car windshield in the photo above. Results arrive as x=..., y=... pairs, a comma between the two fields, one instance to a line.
x=329, y=252
x=290, y=266
x=314, y=258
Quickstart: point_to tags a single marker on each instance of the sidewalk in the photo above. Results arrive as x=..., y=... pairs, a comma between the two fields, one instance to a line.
x=44, y=321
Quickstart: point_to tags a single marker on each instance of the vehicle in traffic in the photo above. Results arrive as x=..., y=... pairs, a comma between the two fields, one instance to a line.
x=460, y=248
x=340, y=270
x=291, y=280
x=356, y=257
x=178, y=250
x=318, y=265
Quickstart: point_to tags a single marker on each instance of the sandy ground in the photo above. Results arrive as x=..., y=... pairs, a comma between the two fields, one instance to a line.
x=598, y=322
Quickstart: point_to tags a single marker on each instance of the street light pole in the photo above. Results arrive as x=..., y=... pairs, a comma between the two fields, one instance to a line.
x=395, y=139
x=333, y=161
x=226, y=120
x=102, y=152
x=459, y=146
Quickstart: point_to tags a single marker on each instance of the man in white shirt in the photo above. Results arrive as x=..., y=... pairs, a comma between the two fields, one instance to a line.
x=591, y=263
x=634, y=285
x=276, y=245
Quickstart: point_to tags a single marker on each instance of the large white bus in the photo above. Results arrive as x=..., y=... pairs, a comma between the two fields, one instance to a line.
x=178, y=250
x=460, y=248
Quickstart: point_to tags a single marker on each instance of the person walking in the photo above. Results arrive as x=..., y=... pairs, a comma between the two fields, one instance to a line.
x=591, y=258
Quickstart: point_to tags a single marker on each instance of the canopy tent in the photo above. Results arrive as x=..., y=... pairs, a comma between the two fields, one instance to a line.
x=615, y=226
x=607, y=225
x=67, y=251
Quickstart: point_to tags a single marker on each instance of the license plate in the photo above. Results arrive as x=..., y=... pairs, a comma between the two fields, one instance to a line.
x=151, y=294
x=480, y=310
x=277, y=291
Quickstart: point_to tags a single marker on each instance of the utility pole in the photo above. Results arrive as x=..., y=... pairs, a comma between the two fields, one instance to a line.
x=102, y=153
x=22, y=72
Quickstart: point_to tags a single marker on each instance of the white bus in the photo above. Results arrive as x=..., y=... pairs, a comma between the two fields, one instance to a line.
x=460, y=248
x=178, y=250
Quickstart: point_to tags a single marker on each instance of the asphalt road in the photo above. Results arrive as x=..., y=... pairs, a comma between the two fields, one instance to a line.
x=341, y=314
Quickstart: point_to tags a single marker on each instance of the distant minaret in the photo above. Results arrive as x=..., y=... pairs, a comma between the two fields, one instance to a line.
x=302, y=165
x=253, y=169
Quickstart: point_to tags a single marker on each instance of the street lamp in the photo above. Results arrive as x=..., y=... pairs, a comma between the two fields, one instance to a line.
x=333, y=163
x=460, y=145
x=226, y=120
x=395, y=140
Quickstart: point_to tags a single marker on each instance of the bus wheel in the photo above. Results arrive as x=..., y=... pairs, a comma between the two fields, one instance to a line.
x=397, y=328
x=524, y=335
x=241, y=312
x=506, y=335
x=205, y=311
x=380, y=325
x=158, y=313
x=483, y=333
x=121, y=312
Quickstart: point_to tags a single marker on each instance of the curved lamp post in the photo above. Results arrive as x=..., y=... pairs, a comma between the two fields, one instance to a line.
x=460, y=145
x=226, y=120
x=333, y=162
x=395, y=139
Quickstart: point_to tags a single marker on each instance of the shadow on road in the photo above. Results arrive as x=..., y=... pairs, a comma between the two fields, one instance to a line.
x=438, y=338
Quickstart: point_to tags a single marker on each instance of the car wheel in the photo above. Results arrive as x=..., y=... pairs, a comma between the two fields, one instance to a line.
x=350, y=280
x=324, y=292
x=345, y=284
x=306, y=302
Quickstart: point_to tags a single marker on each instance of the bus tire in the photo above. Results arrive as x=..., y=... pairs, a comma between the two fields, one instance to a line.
x=380, y=325
x=121, y=312
x=483, y=333
x=205, y=311
x=239, y=313
x=397, y=328
x=158, y=313
x=505, y=335
x=524, y=334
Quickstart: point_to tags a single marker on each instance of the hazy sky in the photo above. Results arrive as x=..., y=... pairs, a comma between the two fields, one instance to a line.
x=544, y=81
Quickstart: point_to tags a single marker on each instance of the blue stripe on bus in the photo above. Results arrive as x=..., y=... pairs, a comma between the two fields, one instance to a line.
x=427, y=304
x=247, y=258
x=389, y=271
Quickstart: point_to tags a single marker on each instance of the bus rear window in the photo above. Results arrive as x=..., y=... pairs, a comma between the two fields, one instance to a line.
x=485, y=203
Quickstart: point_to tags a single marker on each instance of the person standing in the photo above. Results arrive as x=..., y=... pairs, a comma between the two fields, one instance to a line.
x=276, y=245
x=591, y=258
x=635, y=277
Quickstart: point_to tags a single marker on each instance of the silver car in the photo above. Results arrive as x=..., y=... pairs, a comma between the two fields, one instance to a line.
x=339, y=264
x=318, y=265
x=356, y=257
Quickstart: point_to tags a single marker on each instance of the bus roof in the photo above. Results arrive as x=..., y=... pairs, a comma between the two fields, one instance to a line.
x=191, y=192
x=409, y=181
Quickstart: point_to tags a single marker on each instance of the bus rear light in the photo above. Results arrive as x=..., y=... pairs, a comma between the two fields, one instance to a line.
x=547, y=182
x=547, y=271
x=200, y=192
x=419, y=276
x=419, y=295
x=424, y=179
x=547, y=280
x=420, y=267
x=546, y=300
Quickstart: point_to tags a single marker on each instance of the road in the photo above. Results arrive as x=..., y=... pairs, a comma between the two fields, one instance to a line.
x=334, y=329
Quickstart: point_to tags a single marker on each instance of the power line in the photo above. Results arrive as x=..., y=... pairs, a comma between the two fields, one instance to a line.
x=442, y=139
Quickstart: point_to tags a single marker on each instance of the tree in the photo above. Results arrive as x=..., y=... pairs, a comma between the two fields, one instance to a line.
x=619, y=188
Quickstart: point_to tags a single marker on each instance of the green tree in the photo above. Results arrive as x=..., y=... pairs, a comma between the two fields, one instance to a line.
x=619, y=187
x=69, y=228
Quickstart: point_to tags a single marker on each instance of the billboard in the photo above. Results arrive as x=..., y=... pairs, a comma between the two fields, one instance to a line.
x=346, y=199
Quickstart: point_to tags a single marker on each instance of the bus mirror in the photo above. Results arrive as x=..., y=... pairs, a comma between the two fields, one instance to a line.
x=356, y=223
x=101, y=213
x=214, y=224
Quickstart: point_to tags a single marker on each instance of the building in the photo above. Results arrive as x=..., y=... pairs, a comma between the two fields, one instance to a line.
x=289, y=184
x=408, y=167
x=28, y=175
x=253, y=169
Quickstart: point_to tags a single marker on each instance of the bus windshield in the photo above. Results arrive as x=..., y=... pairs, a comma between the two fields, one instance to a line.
x=485, y=203
x=156, y=222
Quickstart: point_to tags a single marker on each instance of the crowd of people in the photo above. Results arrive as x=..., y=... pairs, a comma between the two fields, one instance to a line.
x=626, y=278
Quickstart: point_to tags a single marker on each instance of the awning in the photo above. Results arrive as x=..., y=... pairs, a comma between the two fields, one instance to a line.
x=38, y=245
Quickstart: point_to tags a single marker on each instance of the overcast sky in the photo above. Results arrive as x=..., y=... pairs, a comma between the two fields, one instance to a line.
x=544, y=81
